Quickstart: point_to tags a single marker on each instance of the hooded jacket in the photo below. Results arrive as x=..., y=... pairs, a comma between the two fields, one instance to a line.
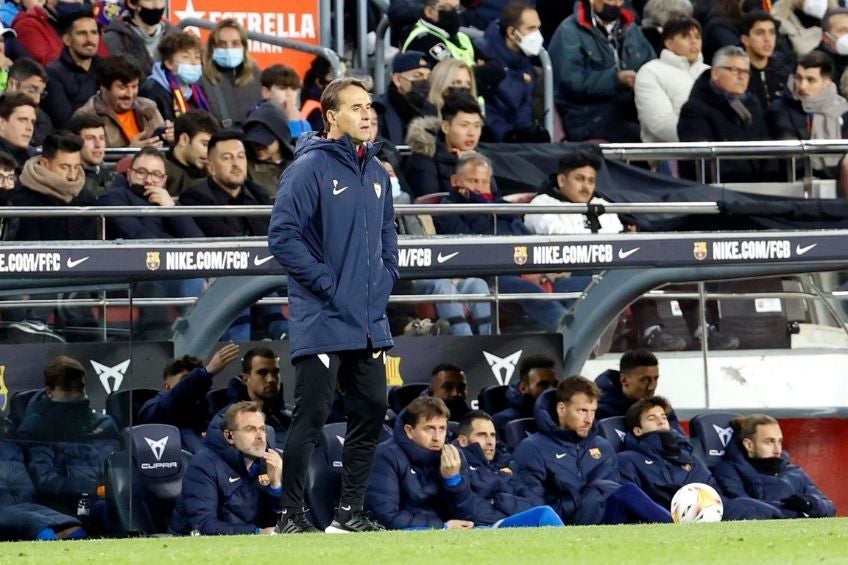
x=567, y=224
x=510, y=105
x=267, y=174
x=428, y=170
x=142, y=227
x=571, y=474
x=738, y=478
x=613, y=402
x=708, y=116
x=518, y=407
x=406, y=488
x=49, y=420
x=587, y=91
x=333, y=231
x=69, y=86
x=146, y=115
x=496, y=490
x=221, y=496
x=277, y=414
x=157, y=89
x=184, y=406
x=20, y=517
x=662, y=88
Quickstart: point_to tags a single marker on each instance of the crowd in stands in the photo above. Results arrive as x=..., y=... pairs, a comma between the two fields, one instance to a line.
x=441, y=464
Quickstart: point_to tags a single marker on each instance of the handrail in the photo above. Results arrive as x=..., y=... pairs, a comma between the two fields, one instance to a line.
x=362, y=33
x=548, y=91
x=338, y=32
x=380, y=56
x=319, y=50
x=326, y=23
x=400, y=209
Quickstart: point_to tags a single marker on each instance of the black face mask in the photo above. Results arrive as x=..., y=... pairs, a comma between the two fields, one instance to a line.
x=609, y=13
x=150, y=16
x=766, y=465
x=449, y=21
x=420, y=90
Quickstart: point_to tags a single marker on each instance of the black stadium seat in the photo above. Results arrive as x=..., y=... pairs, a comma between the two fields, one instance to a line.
x=400, y=396
x=517, y=430
x=17, y=406
x=217, y=398
x=492, y=399
x=613, y=430
x=144, y=482
x=711, y=434
x=324, y=475
x=124, y=405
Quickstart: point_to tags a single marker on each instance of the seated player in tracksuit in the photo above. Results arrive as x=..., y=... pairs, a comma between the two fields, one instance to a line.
x=755, y=465
x=235, y=485
x=660, y=461
x=637, y=377
x=498, y=494
x=182, y=401
x=571, y=468
x=418, y=481
x=536, y=374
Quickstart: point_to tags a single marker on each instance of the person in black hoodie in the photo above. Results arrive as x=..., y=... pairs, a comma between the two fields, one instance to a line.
x=269, y=144
x=720, y=109
x=406, y=97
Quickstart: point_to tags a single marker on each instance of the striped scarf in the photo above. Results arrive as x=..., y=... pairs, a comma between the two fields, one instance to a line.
x=181, y=105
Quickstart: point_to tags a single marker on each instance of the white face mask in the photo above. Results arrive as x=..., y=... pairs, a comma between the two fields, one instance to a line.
x=842, y=44
x=531, y=44
x=396, y=190
x=815, y=8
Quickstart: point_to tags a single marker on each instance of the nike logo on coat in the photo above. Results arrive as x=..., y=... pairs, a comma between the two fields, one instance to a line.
x=560, y=455
x=233, y=479
x=336, y=189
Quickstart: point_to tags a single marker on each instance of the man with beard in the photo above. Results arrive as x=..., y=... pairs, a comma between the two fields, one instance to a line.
x=659, y=460
x=234, y=486
x=131, y=120
x=756, y=466
x=448, y=384
x=536, y=375
x=406, y=98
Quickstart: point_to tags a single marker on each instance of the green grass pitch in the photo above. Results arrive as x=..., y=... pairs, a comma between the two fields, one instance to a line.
x=778, y=542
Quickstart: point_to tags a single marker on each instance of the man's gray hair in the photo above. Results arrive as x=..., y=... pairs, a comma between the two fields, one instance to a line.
x=727, y=52
x=472, y=158
x=657, y=12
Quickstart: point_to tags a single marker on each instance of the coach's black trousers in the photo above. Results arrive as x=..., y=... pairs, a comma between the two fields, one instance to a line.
x=361, y=379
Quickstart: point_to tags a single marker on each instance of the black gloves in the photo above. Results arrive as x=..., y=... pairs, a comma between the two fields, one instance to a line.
x=798, y=503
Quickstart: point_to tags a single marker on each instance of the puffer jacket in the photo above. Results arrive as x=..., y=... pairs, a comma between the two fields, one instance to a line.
x=146, y=114
x=497, y=491
x=333, y=231
x=571, y=474
x=406, y=488
x=614, y=403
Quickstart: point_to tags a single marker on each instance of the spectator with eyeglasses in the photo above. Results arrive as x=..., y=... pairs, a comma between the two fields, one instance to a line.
x=234, y=486
x=720, y=108
x=30, y=78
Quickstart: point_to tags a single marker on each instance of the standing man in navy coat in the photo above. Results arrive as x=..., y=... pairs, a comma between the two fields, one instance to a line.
x=333, y=230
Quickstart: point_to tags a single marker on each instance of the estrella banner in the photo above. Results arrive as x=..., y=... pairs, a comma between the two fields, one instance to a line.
x=297, y=20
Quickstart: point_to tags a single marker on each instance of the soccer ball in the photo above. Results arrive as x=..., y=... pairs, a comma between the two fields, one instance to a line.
x=696, y=502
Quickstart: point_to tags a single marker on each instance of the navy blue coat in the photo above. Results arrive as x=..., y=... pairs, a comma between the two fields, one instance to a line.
x=587, y=92
x=406, y=488
x=47, y=420
x=142, y=227
x=571, y=474
x=497, y=491
x=518, y=408
x=476, y=224
x=277, y=414
x=510, y=105
x=738, y=478
x=20, y=517
x=221, y=496
x=184, y=406
x=333, y=231
x=614, y=403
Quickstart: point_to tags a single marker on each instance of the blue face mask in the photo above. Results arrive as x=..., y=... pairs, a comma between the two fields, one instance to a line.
x=189, y=74
x=228, y=58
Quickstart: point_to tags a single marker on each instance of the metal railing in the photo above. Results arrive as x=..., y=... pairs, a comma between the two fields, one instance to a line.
x=319, y=50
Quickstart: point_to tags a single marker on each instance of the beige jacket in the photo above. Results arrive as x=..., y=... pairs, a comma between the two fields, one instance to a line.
x=146, y=114
x=803, y=39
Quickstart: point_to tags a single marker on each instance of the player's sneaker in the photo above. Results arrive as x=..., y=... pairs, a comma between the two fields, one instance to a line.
x=356, y=522
x=296, y=523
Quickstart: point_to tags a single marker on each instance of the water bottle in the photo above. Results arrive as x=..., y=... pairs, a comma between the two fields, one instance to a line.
x=83, y=507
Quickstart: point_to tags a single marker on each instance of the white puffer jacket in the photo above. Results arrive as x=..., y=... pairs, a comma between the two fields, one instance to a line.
x=568, y=224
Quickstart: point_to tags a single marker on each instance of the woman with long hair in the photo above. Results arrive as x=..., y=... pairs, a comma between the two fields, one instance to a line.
x=231, y=78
